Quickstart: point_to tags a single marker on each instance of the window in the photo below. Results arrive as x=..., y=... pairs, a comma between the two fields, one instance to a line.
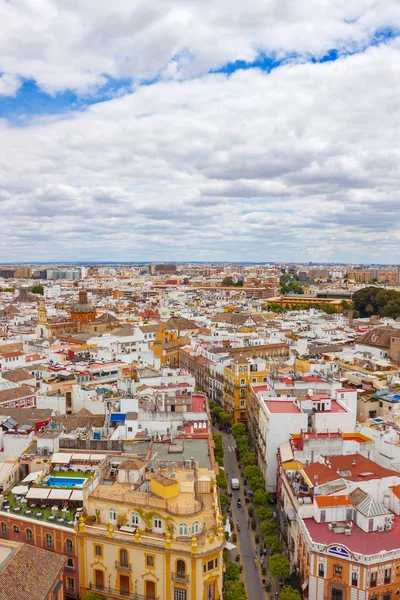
x=157, y=523
x=123, y=558
x=372, y=580
x=29, y=535
x=112, y=514
x=183, y=529
x=3, y=528
x=70, y=563
x=149, y=560
x=98, y=551
x=210, y=591
x=181, y=568
x=354, y=579
x=69, y=545
x=323, y=516
x=243, y=404
x=387, y=577
x=134, y=518
x=242, y=382
x=337, y=570
x=321, y=570
x=386, y=597
x=195, y=527
x=49, y=540
x=15, y=529
x=70, y=583
x=179, y=594
x=210, y=565
x=337, y=594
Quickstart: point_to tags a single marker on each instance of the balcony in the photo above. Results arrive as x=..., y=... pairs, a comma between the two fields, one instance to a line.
x=121, y=566
x=180, y=577
x=120, y=593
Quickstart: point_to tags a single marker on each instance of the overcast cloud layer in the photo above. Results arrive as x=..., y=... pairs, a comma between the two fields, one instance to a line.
x=300, y=164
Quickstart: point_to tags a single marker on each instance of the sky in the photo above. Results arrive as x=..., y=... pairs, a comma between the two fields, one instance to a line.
x=135, y=130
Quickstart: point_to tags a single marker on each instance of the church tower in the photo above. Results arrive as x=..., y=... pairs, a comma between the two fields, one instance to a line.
x=42, y=312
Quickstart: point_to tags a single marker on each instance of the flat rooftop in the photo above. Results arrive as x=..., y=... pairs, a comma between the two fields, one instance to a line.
x=196, y=448
x=358, y=541
x=282, y=406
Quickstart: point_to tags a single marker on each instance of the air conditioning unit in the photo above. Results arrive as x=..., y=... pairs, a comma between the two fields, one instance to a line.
x=330, y=526
x=388, y=519
x=347, y=531
x=388, y=526
x=381, y=528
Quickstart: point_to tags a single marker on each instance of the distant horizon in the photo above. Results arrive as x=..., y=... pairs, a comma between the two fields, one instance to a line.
x=193, y=262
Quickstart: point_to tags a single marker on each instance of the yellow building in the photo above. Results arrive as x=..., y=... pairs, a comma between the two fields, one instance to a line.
x=237, y=378
x=153, y=535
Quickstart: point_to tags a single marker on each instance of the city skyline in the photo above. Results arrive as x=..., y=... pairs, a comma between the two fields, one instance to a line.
x=233, y=134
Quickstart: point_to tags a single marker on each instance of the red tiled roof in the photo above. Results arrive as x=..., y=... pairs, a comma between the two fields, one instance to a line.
x=281, y=406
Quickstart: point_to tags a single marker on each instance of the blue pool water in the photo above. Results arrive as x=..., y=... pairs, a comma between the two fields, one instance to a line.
x=395, y=397
x=68, y=481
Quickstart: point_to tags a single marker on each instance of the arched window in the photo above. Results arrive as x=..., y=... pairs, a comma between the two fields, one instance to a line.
x=49, y=540
x=183, y=529
x=3, y=528
x=123, y=558
x=29, y=535
x=15, y=529
x=112, y=514
x=195, y=527
x=180, y=568
x=69, y=545
x=134, y=518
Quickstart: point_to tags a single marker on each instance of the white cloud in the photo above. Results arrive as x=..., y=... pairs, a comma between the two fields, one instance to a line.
x=77, y=44
x=9, y=84
x=299, y=164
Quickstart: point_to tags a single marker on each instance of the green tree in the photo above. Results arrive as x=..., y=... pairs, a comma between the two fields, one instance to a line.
x=233, y=590
x=265, y=513
x=248, y=459
x=232, y=571
x=224, y=500
x=274, y=544
x=221, y=482
x=289, y=593
x=252, y=471
x=279, y=566
x=93, y=596
x=260, y=497
x=225, y=417
x=268, y=527
x=37, y=289
x=228, y=282
x=239, y=430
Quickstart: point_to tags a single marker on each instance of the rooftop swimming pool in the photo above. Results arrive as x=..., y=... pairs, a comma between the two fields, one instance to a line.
x=395, y=397
x=69, y=482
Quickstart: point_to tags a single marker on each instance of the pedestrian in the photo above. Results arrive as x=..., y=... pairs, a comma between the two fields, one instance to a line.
x=256, y=552
x=265, y=551
x=256, y=561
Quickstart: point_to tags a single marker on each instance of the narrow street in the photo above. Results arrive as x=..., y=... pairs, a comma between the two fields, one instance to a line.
x=251, y=571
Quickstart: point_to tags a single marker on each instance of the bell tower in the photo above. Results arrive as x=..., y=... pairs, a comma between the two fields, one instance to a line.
x=42, y=312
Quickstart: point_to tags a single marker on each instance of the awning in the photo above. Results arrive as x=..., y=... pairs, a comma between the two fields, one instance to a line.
x=78, y=457
x=286, y=452
x=291, y=514
x=77, y=495
x=304, y=584
x=117, y=417
x=59, y=495
x=98, y=457
x=38, y=493
x=20, y=490
x=60, y=458
x=230, y=546
x=32, y=476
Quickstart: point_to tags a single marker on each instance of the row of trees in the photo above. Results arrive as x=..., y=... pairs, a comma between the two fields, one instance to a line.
x=290, y=284
x=279, y=565
x=230, y=282
x=329, y=309
x=374, y=300
x=233, y=587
